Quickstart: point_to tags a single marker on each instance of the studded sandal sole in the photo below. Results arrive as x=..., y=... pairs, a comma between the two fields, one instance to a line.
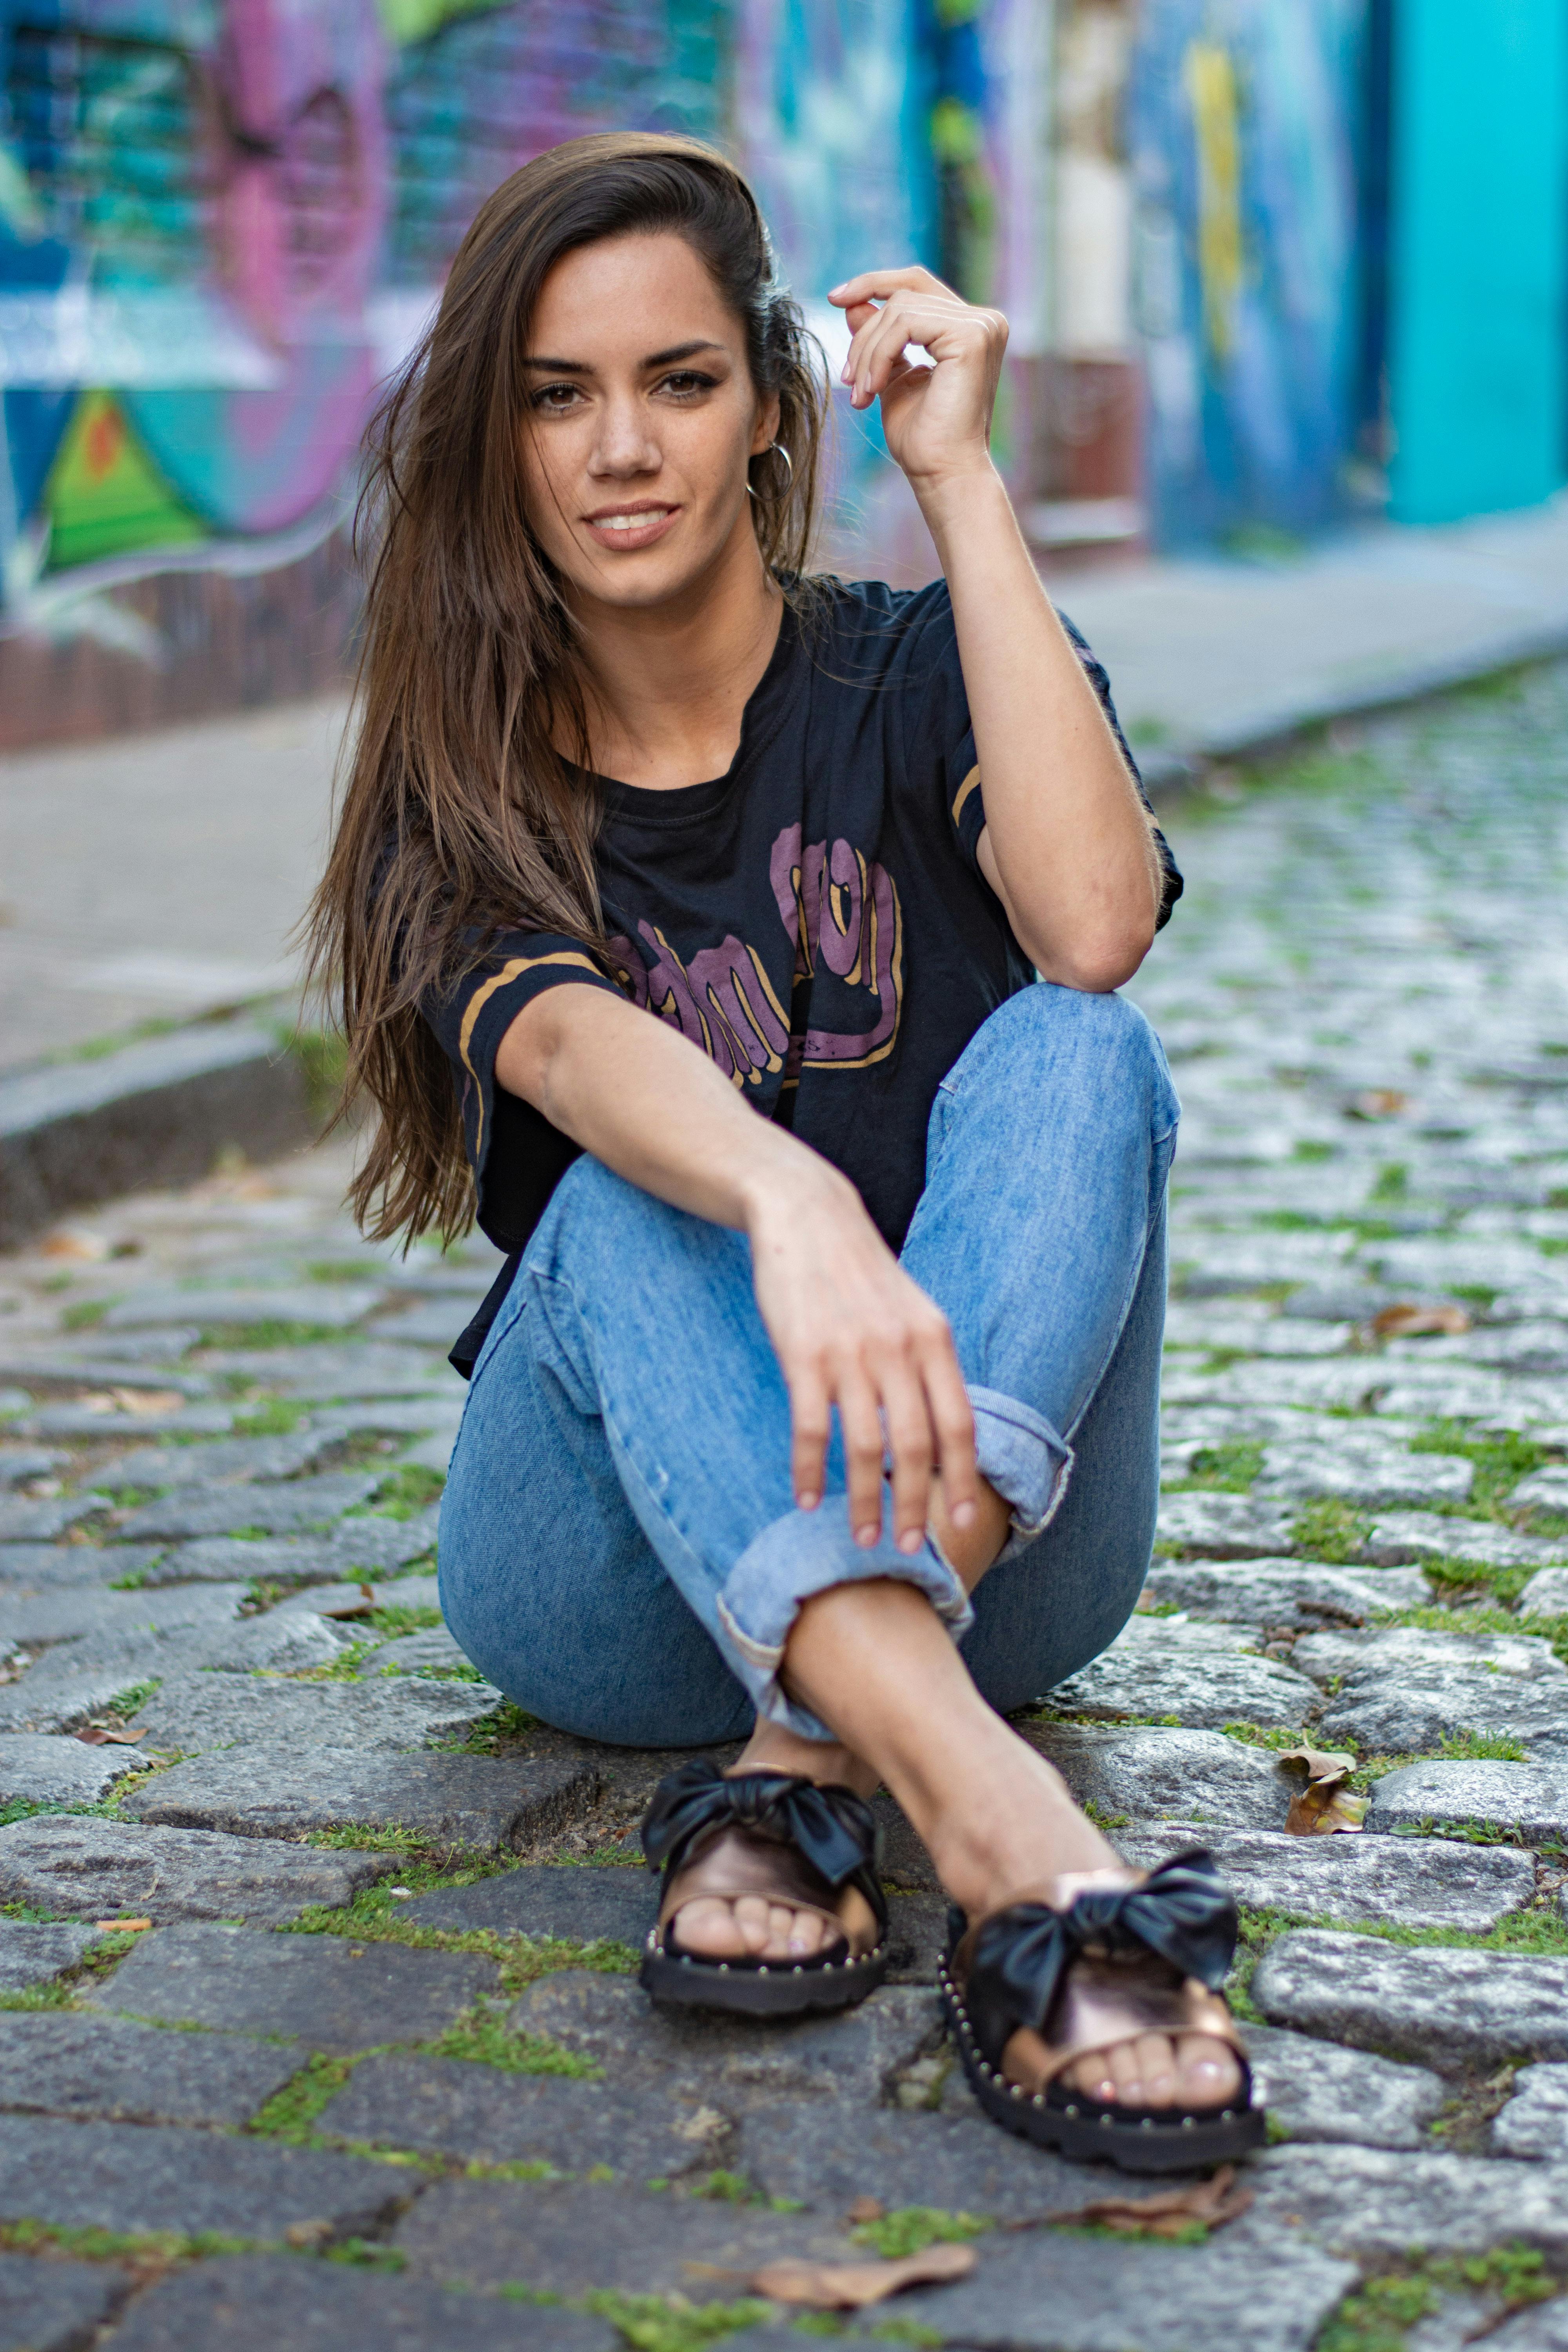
x=757, y=1988
x=1088, y=2132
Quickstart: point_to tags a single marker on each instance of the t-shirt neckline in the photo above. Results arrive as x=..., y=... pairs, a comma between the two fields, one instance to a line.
x=640, y=805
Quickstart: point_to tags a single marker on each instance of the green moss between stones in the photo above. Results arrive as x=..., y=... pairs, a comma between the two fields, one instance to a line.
x=657, y=2323
x=909, y=2228
x=482, y=2038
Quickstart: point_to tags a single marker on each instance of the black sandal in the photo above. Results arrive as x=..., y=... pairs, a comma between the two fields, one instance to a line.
x=819, y=1844
x=1118, y=1960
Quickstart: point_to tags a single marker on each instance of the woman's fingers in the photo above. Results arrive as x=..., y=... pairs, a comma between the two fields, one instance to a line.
x=880, y=285
x=952, y=1417
x=808, y=1396
x=913, y=1444
x=861, y=1423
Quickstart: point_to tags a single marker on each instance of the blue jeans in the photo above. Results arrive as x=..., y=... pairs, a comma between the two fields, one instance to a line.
x=620, y=1548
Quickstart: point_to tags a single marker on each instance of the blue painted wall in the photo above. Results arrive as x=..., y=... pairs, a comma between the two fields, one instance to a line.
x=1478, y=274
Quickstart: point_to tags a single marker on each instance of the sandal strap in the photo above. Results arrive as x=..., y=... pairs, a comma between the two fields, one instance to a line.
x=829, y=1826
x=1012, y=1965
x=1105, y=2002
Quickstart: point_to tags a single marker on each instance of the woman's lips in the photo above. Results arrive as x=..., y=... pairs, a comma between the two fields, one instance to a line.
x=631, y=530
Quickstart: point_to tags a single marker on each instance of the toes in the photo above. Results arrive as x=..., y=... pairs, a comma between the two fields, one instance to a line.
x=1209, y=2073
x=753, y=1917
x=706, y=1927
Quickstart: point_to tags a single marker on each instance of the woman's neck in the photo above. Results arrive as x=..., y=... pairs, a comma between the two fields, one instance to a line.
x=668, y=684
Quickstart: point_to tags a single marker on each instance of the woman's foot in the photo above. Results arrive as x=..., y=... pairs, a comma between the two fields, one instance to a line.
x=765, y=1926
x=1013, y=1833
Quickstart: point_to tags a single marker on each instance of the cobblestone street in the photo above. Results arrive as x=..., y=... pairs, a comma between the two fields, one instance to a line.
x=252, y=1788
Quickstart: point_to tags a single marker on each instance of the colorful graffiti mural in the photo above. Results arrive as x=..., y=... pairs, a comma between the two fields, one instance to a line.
x=1246, y=126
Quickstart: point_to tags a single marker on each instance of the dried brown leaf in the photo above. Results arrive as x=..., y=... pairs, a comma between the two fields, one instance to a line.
x=1323, y=1807
x=74, y=1241
x=1322, y=1763
x=1377, y=1102
x=849, y=2286
x=865, y=2209
x=1407, y=1322
x=98, y=1735
x=1167, y=2214
x=124, y=1926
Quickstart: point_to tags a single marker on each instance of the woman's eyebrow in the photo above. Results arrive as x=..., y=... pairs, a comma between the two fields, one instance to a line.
x=657, y=359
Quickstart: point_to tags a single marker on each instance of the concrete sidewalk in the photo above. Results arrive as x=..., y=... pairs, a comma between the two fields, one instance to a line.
x=160, y=875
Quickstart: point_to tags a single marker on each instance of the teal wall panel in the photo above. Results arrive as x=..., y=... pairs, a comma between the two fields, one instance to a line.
x=1478, y=262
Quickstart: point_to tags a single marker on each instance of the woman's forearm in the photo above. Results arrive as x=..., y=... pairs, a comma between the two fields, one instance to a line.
x=641, y=1097
x=1066, y=829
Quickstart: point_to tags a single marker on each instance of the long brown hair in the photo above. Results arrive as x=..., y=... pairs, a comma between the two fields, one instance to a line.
x=460, y=817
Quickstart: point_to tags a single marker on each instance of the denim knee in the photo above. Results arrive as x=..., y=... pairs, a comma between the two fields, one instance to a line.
x=1059, y=1025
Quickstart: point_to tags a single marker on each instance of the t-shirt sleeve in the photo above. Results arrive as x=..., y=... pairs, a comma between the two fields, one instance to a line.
x=471, y=1015
x=945, y=729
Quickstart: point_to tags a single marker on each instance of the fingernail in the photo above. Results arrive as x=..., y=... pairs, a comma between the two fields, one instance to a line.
x=837, y=289
x=964, y=1515
x=910, y=1540
x=867, y=1536
x=807, y=1501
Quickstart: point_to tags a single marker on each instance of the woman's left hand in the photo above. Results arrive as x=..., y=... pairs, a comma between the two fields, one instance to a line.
x=937, y=419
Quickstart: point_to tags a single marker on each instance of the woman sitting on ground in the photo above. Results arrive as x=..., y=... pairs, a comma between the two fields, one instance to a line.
x=816, y=1405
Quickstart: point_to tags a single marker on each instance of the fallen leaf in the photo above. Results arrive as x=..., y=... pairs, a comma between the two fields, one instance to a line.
x=849, y=2286
x=1168, y=2214
x=865, y=2209
x=74, y=1241
x=1411, y=1322
x=1377, y=1102
x=1325, y=1805
x=98, y=1735
x=136, y=1401
x=125, y=1926
x=308, y=2233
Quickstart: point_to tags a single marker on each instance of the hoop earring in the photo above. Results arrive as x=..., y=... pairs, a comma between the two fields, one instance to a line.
x=776, y=449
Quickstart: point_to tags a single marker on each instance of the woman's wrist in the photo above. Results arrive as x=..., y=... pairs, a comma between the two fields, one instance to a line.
x=954, y=498
x=787, y=1182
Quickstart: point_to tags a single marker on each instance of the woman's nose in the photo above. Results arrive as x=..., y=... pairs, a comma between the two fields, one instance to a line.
x=625, y=445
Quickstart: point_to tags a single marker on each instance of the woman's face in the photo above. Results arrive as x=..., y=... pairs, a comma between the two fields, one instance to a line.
x=640, y=421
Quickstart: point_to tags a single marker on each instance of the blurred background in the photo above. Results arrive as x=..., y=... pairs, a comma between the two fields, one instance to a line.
x=1285, y=415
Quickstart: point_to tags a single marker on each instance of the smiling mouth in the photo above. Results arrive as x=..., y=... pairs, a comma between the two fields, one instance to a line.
x=637, y=519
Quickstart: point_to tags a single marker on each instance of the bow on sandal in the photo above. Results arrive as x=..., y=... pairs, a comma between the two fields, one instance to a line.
x=771, y=1834
x=1117, y=1961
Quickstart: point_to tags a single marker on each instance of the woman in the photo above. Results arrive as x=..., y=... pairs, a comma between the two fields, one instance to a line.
x=824, y=1280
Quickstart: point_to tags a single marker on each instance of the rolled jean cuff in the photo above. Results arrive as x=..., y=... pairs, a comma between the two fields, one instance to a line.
x=804, y=1553
x=1019, y=1453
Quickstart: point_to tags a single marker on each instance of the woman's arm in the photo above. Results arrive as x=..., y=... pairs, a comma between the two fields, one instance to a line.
x=848, y=1325
x=1067, y=846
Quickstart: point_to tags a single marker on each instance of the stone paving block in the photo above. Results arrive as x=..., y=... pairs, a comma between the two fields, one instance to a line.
x=1046, y=2291
x=239, y=1458
x=1145, y=1772
x=275, y=1510
x=471, y=1800
x=1535, y=2120
x=377, y=1545
x=1398, y=1537
x=1546, y=1594
x=34, y=1953
x=851, y=2055
x=194, y=1712
x=255, y=2302
x=135, y=2177
x=327, y=1991
x=917, y=1937
x=81, y=1867
x=1407, y=1882
x=49, y=1568
x=1222, y=1527
x=1283, y=1591
x=336, y=1304
x=826, y=2154
x=1375, y=2204
x=1362, y=1468
x=24, y=1521
x=54, y=2306
x=434, y=1323
x=1542, y=2328
x=430, y=1651
x=567, y=2238
x=332, y=1374
x=101, y=1420
x=1315, y=2090
x=1407, y=1689
x=1207, y=1674
x=452, y=2107
x=62, y=1692
x=294, y=1644
x=120, y=2072
x=580, y=1905
x=90, y=1615
x=49, y=1768
x=1450, y=2006
x=1543, y=1490
x=19, y=1462
x=1528, y=1801
x=351, y=1600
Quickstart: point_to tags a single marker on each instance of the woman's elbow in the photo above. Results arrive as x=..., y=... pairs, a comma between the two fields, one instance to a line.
x=1099, y=960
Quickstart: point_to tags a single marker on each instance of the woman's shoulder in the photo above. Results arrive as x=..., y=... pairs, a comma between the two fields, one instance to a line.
x=872, y=631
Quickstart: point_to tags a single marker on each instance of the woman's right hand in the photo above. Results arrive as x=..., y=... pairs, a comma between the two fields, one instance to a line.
x=851, y=1328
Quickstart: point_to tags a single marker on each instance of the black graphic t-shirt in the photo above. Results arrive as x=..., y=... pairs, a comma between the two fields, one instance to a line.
x=816, y=919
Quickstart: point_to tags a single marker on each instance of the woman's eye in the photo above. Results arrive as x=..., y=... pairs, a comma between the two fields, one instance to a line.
x=554, y=398
x=685, y=382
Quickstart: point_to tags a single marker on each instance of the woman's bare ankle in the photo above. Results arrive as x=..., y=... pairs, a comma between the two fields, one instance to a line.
x=771, y=1749
x=1013, y=1829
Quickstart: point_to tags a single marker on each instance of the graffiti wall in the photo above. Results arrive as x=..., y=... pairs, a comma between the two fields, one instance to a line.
x=1246, y=127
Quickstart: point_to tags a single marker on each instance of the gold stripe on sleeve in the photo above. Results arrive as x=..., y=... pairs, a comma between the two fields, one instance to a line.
x=481, y=997
x=971, y=784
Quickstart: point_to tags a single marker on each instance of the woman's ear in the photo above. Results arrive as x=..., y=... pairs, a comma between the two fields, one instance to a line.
x=767, y=428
